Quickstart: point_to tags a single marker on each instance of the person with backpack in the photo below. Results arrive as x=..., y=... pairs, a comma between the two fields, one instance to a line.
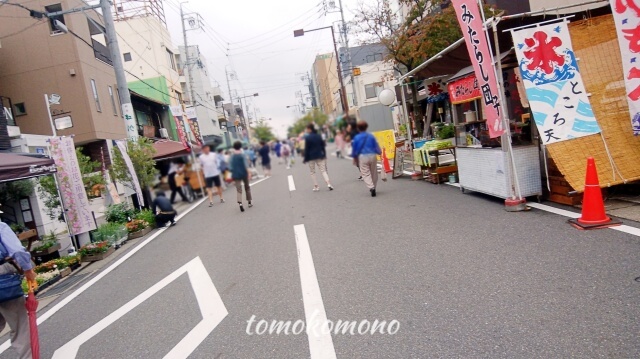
x=15, y=261
x=285, y=151
x=365, y=150
x=240, y=173
x=315, y=154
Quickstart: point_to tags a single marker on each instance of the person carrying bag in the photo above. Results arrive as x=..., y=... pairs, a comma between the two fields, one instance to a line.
x=15, y=262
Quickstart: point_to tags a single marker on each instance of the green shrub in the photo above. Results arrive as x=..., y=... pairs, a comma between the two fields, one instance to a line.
x=446, y=131
x=119, y=213
x=147, y=216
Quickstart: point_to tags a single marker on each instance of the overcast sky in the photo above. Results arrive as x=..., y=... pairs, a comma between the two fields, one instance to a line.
x=255, y=40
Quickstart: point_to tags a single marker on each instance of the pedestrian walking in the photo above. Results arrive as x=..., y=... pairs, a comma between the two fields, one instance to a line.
x=162, y=208
x=365, y=150
x=316, y=155
x=339, y=139
x=285, y=151
x=176, y=169
x=251, y=153
x=210, y=163
x=14, y=261
x=276, y=149
x=240, y=173
x=265, y=158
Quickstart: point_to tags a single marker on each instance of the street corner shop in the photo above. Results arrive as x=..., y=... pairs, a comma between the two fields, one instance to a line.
x=555, y=169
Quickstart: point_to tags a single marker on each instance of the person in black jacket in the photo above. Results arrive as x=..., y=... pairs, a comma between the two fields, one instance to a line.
x=166, y=213
x=316, y=154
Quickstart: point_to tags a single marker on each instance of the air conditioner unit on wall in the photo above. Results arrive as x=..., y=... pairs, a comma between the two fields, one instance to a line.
x=164, y=133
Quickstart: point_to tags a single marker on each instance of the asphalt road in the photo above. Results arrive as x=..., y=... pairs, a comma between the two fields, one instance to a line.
x=461, y=277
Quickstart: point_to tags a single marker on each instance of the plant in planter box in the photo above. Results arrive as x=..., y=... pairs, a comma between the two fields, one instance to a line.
x=46, y=244
x=94, y=248
x=49, y=266
x=111, y=232
x=17, y=228
x=119, y=213
x=147, y=216
x=136, y=225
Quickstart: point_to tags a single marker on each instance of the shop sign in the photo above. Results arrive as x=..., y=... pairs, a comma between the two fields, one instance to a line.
x=176, y=111
x=626, y=14
x=464, y=90
x=192, y=118
x=72, y=192
x=468, y=14
x=554, y=86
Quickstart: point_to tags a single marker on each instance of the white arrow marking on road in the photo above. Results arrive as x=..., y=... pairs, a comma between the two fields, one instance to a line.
x=211, y=306
x=292, y=186
x=320, y=343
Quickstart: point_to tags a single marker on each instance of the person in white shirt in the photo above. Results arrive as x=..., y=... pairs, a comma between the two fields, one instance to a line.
x=211, y=169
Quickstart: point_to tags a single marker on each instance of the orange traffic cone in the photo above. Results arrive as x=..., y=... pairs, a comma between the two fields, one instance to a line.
x=385, y=162
x=593, y=214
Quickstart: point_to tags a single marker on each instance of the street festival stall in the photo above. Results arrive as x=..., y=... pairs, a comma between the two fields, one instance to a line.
x=560, y=106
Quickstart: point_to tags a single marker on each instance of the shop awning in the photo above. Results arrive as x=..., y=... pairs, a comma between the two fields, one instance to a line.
x=469, y=69
x=166, y=149
x=15, y=166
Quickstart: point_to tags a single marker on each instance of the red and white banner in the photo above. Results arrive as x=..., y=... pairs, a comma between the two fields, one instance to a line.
x=626, y=14
x=72, y=192
x=176, y=111
x=468, y=14
x=464, y=90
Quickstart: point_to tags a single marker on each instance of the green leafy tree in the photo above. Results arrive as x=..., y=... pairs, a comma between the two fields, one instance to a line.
x=48, y=193
x=315, y=116
x=427, y=30
x=13, y=191
x=263, y=131
x=90, y=170
x=141, y=154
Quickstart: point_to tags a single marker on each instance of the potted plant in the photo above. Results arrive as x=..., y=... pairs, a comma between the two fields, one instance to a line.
x=119, y=213
x=114, y=233
x=138, y=228
x=96, y=251
x=48, y=245
x=147, y=216
x=63, y=266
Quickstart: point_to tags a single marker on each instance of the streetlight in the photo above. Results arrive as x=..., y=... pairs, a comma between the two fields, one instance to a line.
x=343, y=92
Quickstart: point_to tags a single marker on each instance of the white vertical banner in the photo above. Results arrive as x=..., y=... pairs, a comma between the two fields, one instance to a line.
x=130, y=121
x=72, y=191
x=554, y=86
x=626, y=14
x=122, y=146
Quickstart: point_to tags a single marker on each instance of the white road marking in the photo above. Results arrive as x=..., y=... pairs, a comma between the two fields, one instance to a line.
x=211, y=307
x=622, y=228
x=258, y=181
x=320, y=344
x=292, y=186
x=41, y=319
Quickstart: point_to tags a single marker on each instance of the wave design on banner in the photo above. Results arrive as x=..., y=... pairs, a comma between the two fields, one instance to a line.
x=560, y=73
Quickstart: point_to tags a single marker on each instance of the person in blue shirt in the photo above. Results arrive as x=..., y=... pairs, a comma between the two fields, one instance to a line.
x=240, y=173
x=14, y=312
x=276, y=149
x=251, y=154
x=265, y=159
x=365, y=150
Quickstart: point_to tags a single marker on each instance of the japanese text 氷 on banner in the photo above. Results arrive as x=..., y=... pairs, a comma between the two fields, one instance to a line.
x=72, y=191
x=468, y=14
x=554, y=87
x=626, y=14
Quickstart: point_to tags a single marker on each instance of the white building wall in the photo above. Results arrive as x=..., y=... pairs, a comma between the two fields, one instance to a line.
x=207, y=114
x=379, y=71
x=147, y=40
x=538, y=5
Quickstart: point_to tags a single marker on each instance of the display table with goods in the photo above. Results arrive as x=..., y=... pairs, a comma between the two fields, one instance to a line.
x=483, y=162
x=437, y=160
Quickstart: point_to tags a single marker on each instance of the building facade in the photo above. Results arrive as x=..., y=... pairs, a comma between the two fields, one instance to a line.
x=325, y=77
x=207, y=96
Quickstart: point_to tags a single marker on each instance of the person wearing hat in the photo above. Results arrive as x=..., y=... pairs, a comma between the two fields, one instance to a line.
x=14, y=258
x=166, y=213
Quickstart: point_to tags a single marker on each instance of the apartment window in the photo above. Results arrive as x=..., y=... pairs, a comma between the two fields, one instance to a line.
x=19, y=109
x=127, y=56
x=179, y=97
x=172, y=60
x=113, y=101
x=373, y=90
x=52, y=19
x=94, y=88
x=374, y=57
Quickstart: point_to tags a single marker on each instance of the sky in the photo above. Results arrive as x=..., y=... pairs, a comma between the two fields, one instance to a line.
x=254, y=39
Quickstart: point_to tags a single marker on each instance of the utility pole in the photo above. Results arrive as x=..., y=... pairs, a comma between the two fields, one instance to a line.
x=349, y=62
x=187, y=61
x=118, y=67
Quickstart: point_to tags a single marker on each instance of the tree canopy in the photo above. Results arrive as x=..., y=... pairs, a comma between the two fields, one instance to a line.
x=141, y=154
x=263, y=132
x=314, y=116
